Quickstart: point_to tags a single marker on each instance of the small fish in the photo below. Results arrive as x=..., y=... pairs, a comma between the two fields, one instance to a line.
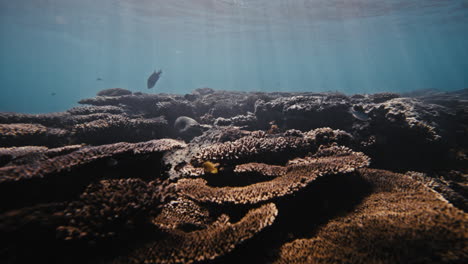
x=210, y=167
x=154, y=78
x=358, y=113
x=53, y=94
x=98, y=79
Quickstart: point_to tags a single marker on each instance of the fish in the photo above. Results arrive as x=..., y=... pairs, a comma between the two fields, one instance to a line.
x=210, y=167
x=358, y=113
x=98, y=79
x=53, y=94
x=154, y=77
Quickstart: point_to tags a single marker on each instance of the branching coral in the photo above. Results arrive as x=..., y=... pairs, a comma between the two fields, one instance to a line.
x=402, y=221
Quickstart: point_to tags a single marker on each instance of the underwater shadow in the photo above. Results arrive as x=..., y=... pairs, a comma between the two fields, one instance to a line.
x=301, y=216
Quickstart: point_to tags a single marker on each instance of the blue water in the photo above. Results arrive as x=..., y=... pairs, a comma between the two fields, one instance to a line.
x=351, y=46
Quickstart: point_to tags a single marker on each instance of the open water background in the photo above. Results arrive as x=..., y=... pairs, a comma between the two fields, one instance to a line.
x=352, y=46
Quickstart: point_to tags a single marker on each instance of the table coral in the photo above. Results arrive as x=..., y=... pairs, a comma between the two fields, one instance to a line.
x=401, y=221
x=298, y=175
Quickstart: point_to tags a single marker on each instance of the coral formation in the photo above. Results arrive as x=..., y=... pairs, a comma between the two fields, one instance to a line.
x=400, y=222
x=257, y=146
x=107, y=207
x=29, y=154
x=31, y=134
x=82, y=157
x=89, y=109
x=298, y=175
x=112, y=182
x=183, y=213
x=116, y=128
x=77, y=169
x=260, y=168
x=217, y=239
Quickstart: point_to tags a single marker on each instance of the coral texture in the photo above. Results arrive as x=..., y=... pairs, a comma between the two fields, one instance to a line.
x=298, y=176
x=237, y=177
x=261, y=147
x=107, y=207
x=217, y=239
x=82, y=157
x=31, y=134
x=400, y=222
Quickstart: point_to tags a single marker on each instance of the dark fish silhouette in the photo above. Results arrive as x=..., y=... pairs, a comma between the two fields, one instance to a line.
x=53, y=94
x=153, y=78
x=99, y=79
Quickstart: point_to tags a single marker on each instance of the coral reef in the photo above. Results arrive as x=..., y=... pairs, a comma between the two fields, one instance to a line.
x=297, y=176
x=279, y=148
x=237, y=177
x=263, y=169
x=89, y=109
x=24, y=155
x=31, y=134
x=107, y=207
x=116, y=128
x=400, y=222
x=217, y=239
x=183, y=214
x=77, y=169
